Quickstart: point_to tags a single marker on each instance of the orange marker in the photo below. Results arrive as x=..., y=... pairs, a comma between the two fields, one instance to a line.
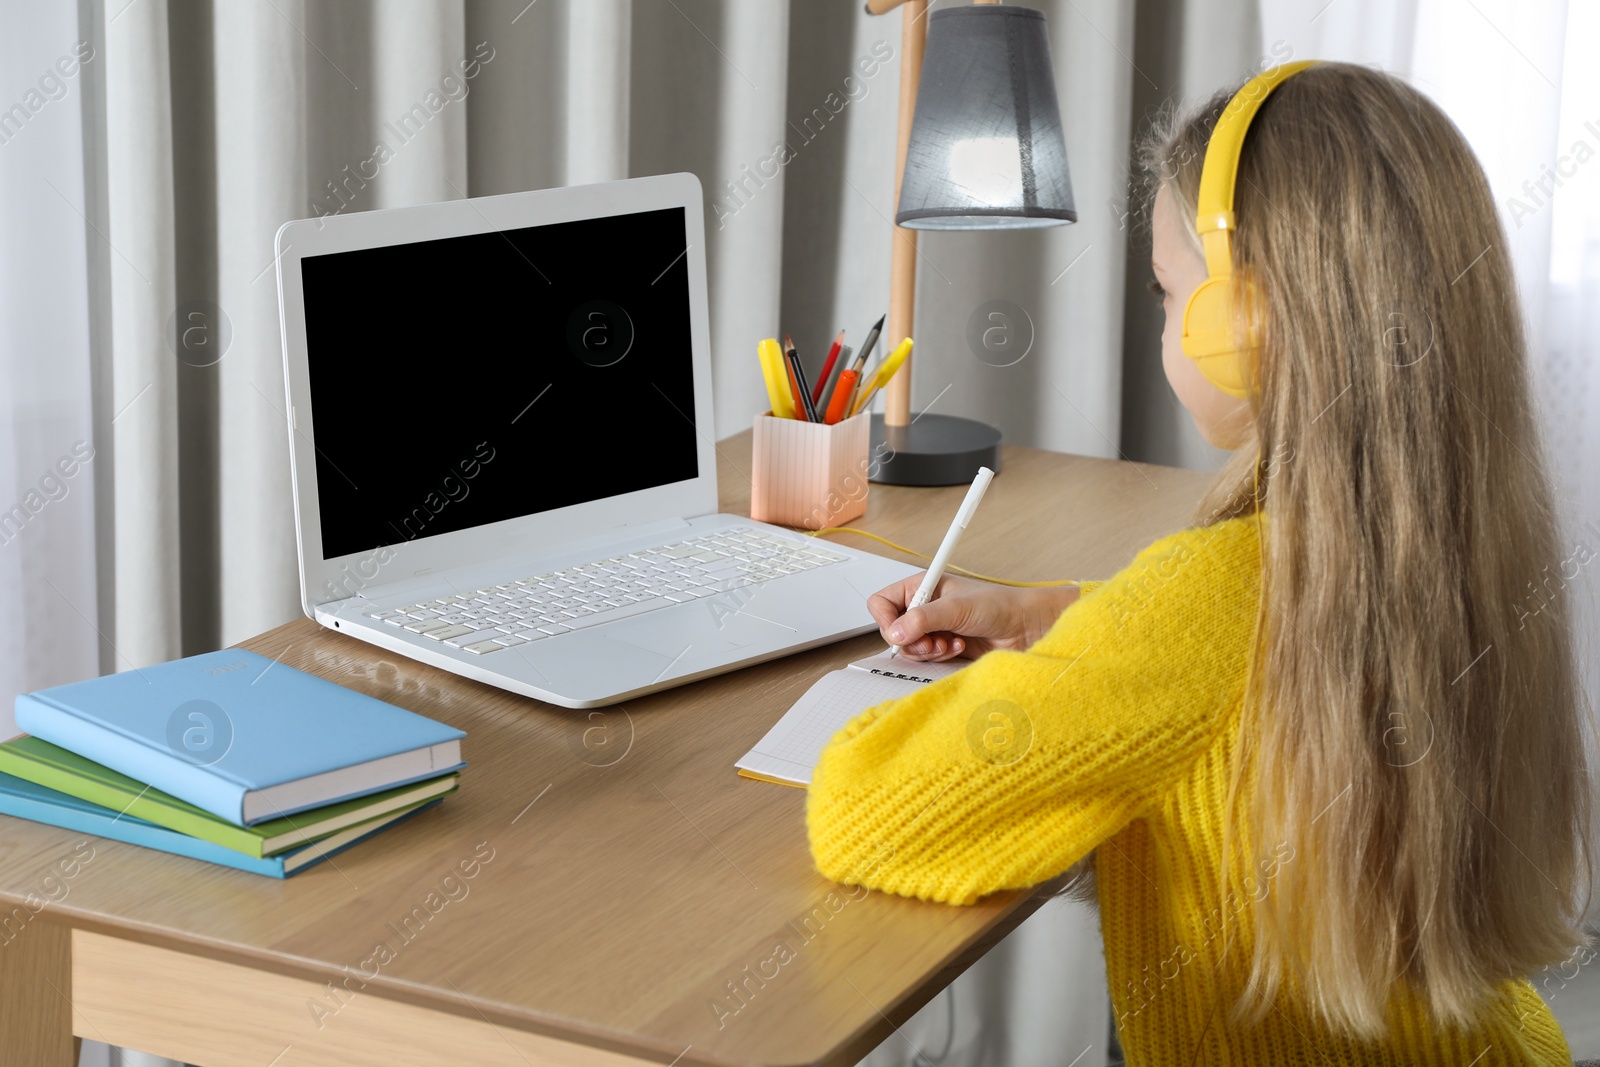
x=841, y=396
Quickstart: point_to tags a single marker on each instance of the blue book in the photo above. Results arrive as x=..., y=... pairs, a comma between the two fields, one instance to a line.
x=34, y=802
x=241, y=736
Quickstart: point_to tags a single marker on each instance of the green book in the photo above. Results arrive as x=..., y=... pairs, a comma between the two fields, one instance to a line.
x=42, y=763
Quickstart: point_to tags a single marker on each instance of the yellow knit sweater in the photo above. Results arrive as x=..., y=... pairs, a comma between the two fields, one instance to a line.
x=1116, y=730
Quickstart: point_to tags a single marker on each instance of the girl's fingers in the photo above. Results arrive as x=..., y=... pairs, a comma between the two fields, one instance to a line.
x=917, y=624
x=935, y=649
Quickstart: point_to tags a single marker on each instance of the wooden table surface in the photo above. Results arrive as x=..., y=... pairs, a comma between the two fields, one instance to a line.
x=625, y=879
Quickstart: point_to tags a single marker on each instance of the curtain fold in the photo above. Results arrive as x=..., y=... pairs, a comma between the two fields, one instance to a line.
x=1182, y=51
x=599, y=55
x=260, y=64
x=139, y=264
x=48, y=465
x=1572, y=364
x=708, y=96
x=517, y=120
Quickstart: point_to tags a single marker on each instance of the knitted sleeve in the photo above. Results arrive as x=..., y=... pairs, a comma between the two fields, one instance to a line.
x=1004, y=774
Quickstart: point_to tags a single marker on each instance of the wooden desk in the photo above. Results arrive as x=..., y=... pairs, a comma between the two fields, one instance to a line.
x=624, y=881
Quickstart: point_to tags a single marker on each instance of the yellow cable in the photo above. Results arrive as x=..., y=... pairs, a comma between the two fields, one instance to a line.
x=914, y=552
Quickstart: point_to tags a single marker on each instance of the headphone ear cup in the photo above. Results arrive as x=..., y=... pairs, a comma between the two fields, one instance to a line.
x=1210, y=338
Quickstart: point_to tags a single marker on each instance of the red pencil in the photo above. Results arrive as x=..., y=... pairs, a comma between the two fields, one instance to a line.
x=827, y=369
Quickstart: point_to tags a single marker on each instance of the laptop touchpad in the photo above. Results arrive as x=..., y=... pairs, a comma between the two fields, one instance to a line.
x=708, y=628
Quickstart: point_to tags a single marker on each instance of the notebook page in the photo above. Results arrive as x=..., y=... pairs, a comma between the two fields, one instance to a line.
x=792, y=747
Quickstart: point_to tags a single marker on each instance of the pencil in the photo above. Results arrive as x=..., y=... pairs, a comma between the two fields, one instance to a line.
x=861, y=361
x=866, y=349
x=827, y=368
x=806, y=409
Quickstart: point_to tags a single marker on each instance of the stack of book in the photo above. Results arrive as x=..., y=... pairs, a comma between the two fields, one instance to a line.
x=227, y=757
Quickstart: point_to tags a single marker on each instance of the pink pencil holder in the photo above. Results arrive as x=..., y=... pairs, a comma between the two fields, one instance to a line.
x=810, y=474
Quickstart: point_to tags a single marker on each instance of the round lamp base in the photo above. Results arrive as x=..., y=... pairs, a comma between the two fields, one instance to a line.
x=933, y=450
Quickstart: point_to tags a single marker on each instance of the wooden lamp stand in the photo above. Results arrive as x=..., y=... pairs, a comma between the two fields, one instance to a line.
x=925, y=449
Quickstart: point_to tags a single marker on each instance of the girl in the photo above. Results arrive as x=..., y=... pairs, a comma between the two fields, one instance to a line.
x=1328, y=763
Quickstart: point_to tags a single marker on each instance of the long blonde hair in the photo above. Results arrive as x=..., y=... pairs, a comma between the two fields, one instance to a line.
x=1413, y=726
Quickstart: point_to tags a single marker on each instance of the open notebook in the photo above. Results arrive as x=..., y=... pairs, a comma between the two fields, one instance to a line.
x=791, y=748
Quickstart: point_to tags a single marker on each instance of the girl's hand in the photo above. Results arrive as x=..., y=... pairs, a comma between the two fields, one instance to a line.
x=966, y=617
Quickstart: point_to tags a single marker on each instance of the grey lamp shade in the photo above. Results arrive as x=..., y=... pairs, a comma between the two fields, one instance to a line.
x=986, y=150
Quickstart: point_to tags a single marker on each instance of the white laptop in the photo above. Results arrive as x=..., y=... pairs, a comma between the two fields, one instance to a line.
x=503, y=453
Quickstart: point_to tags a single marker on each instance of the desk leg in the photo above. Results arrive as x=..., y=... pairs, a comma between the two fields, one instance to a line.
x=35, y=987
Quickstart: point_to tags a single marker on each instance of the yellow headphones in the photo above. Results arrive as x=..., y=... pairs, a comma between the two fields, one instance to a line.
x=1209, y=336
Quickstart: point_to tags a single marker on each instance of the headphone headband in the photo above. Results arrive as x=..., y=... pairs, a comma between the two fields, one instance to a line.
x=1214, y=218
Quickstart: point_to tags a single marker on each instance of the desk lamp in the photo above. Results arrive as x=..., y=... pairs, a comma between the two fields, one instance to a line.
x=984, y=152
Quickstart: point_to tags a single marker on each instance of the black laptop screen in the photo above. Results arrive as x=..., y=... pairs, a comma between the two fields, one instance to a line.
x=467, y=380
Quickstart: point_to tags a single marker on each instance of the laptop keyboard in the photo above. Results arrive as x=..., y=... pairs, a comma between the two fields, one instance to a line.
x=546, y=605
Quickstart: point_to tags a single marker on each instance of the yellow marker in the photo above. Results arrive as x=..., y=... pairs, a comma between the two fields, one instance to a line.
x=885, y=371
x=777, y=378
